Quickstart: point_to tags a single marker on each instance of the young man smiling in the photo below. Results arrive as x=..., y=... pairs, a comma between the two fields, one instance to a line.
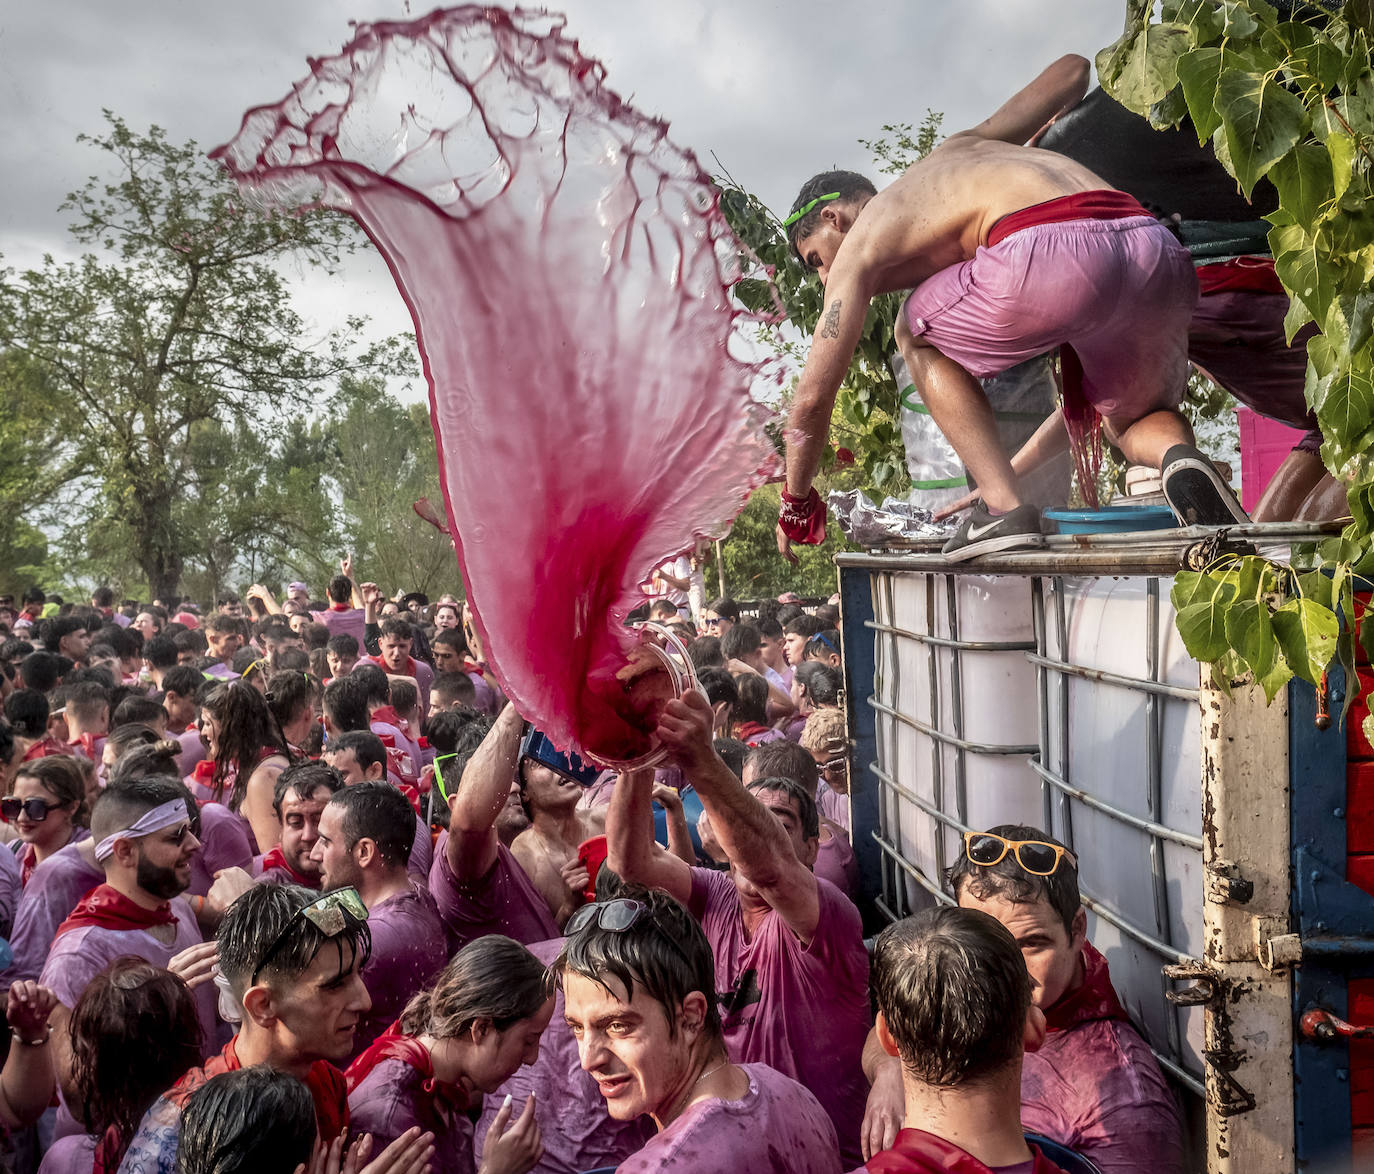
x=638, y=981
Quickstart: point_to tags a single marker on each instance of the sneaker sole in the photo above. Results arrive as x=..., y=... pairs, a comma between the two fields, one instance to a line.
x=1199, y=497
x=994, y=545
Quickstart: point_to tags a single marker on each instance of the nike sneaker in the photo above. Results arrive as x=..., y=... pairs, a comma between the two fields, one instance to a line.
x=982, y=533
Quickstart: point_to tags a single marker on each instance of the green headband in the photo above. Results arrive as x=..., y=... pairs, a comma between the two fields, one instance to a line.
x=805, y=208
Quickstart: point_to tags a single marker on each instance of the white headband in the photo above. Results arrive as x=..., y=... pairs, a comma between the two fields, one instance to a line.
x=145, y=825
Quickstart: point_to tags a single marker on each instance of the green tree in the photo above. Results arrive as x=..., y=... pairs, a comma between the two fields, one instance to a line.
x=176, y=337
x=753, y=569
x=1292, y=100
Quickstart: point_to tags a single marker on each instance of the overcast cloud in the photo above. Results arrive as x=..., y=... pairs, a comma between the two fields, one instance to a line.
x=776, y=90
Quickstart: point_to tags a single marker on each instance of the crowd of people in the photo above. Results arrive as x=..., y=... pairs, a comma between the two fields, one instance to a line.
x=285, y=890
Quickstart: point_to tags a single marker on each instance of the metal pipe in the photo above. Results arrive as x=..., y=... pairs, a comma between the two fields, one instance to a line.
x=1151, y=943
x=1138, y=684
x=1061, y=625
x=944, y=642
x=940, y=736
x=915, y=873
x=1149, y=826
x=1047, y=795
x=956, y=701
x=937, y=777
x=931, y=809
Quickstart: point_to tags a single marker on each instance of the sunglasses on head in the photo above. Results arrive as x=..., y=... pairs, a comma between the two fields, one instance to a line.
x=35, y=809
x=1035, y=856
x=618, y=916
x=331, y=914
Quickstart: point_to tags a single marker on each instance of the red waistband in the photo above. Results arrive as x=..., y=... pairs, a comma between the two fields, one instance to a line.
x=1255, y=274
x=1101, y=205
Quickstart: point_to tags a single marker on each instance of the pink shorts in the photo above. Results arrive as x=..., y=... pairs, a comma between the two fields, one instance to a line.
x=1120, y=292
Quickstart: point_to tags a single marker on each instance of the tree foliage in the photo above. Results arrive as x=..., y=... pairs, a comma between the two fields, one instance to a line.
x=169, y=360
x=1293, y=100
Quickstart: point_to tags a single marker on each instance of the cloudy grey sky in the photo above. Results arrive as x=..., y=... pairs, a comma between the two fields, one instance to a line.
x=777, y=89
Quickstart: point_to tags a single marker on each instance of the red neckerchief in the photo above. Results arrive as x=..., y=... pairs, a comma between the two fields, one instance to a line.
x=277, y=859
x=204, y=771
x=46, y=747
x=388, y=714
x=326, y=1083
x=410, y=669
x=26, y=864
x=110, y=1151
x=746, y=730
x=471, y=666
x=340, y=607
x=917, y=1152
x=85, y=745
x=393, y=1045
x=33, y=615
x=107, y=908
x=1095, y=999
x=1250, y=274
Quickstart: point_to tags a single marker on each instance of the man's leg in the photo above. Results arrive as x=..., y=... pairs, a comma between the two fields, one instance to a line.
x=1145, y=441
x=1289, y=487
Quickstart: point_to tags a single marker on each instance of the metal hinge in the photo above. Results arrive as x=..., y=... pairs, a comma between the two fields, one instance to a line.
x=1225, y=1094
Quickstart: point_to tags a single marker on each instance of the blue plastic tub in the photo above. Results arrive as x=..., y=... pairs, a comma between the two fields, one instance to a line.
x=1113, y=519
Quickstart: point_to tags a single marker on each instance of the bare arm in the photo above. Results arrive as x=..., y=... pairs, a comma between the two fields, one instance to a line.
x=631, y=850
x=257, y=806
x=679, y=834
x=1056, y=90
x=482, y=793
x=885, y=1110
x=750, y=834
x=28, y=1078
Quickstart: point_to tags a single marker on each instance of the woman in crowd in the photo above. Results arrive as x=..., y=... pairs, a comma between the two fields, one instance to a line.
x=134, y=1033
x=47, y=806
x=751, y=711
x=292, y=696
x=478, y=1024
x=249, y=751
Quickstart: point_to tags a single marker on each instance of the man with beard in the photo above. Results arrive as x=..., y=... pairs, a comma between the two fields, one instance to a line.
x=301, y=794
x=142, y=831
x=364, y=842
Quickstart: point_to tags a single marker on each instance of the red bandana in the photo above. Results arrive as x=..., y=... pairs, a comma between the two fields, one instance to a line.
x=747, y=730
x=918, y=1152
x=388, y=714
x=277, y=859
x=46, y=747
x=437, y=1102
x=108, y=908
x=1095, y=999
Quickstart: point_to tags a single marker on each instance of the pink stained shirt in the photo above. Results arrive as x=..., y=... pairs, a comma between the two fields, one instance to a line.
x=409, y=949
x=48, y=900
x=778, y=1125
x=192, y=750
x=802, y=1009
x=384, y=1105
x=835, y=862
x=344, y=621
x=224, y=843
x=11, y=889
x=73, y=1154
x=1097, y=1089
x=578, y=1133
x=423, y=674
x=504, y=901
x=833, y=805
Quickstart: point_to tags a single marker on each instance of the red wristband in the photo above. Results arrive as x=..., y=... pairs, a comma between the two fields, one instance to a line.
x=802, y=519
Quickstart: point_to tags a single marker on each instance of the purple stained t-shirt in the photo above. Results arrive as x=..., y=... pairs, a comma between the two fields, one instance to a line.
x=835, y=861
x=421, y=854
x=408, y=949
x=777, y=1125
x=384, y=1106
x=503, y=901
x=51, y=894
x=223, y=844
x=10, y=890
x=833, y=805
x=578, y=1133
x=344, y=621
x=802, y=1009
x=192, y=750
x=1097, y=1089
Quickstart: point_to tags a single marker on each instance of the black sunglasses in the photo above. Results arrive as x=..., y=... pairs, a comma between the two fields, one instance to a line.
x=35, y=809
x=617, y=916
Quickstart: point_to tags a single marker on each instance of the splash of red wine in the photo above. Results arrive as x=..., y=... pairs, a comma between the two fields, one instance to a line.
x=568, y=272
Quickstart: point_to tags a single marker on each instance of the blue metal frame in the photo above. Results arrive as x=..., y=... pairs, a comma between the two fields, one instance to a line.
x=856, y=609
x=1334, y=919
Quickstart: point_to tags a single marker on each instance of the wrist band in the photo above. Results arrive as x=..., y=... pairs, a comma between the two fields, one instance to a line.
x=32, y=1043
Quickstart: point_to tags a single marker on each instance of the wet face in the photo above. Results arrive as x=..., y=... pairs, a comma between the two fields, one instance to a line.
x=300, y=828
x=821, y=245
x=771, y=650
x=546, y=789
x=298, y=621
x=164, y=861
x=833, y=763
x=713, y=624
x=446, y=617
x=347, y=764
x=147, y=623
x=187, y=656
x=1051, y=952
x=332, y=854
x=55, y=829
x=625, y=1043
x=447, y=659
x=318, y=1013
x=339, y=665
x=496, y=1056
x=512, y=820
x=395, y=652
x=180, y=711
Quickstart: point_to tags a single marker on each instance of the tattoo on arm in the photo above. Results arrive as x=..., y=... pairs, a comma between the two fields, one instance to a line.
x=831, y=327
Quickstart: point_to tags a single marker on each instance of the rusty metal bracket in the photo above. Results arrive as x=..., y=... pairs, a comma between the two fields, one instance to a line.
x=1225, y=1094
x=1207, y=988
x=1226, y=884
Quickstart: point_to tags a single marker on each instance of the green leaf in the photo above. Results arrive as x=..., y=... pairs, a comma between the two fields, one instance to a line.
x=1143, y=70
x=1316, y=586
x=1251, y=634
x=1199, y=72
x=1341, y=148
x=1304, y=272
x=1203, y=628
x=1303, y=178
x=1306, y=633
x=1297, y=317
x=1192, y=587
x=1237, y=20
x=1263, y=123
x=1203, y=18
x=1344, y=404
x=1276, y=678
x=1170, y=110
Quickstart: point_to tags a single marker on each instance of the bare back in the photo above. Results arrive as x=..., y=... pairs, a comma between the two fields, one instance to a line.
x=941, y=209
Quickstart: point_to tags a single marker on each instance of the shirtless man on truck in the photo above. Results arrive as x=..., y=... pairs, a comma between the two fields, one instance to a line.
x=1011, y=251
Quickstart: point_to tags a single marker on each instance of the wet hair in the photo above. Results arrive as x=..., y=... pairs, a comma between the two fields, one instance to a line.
x=783, y=758
x=183, y=680
x=246, y=728
x=377, y=811
x=260, y=916
x=161, y=652
x=15, y=648
x=319, y=664
x=6, y=743
x=849, y=184
x=823, y=645
x=316, y=636
x=305, y=778
x=119, y=805
x=451, y=687
x=367, y=748
x=27, y=712
x=447, y=727
x=103, y=597
x=373, y=678
x=41, y=670
x=288, y=692
x=273, y=630
x=953, y=987
x=223, y=625
x=665, y=953
x=124, y=738
x=823, y=729
x=807, y=812
x=724, y=607
x=255, y=1120
x=492, y=978
x=134, y=1033
x=138, y=710
x=345, y=701
x=61, y=777
x=719, y=686
x=732, y=752
x=740, y=641
x=451, y=638
x=829, y=615
x=1007, y=879
x=344, y=646
x=397, y=628
x=705, y=653
x=405, y=696
x=147, y=760
x=340, y=589
x=752, y=705
x=822, y=683
x=803, y=625
x=296, y=660
x=192, y=641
